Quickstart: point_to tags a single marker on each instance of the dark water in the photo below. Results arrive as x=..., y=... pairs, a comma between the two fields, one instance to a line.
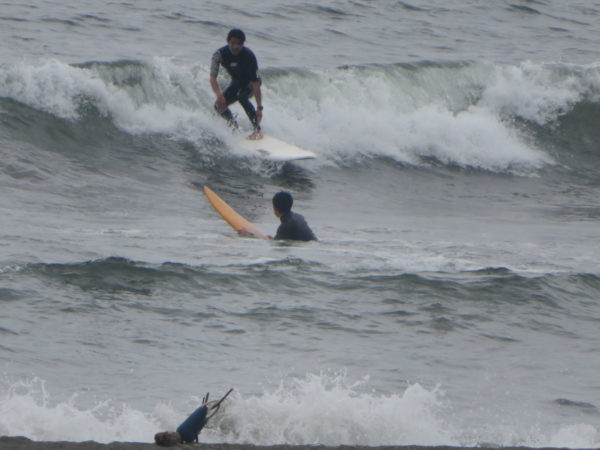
x=452, y=298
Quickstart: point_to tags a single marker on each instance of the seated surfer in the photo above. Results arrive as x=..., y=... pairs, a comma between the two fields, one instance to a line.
x=190, y=428
x=293, y=226
x=240, y=62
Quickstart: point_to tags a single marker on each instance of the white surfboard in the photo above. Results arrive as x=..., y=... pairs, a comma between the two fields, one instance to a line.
x=274, y=149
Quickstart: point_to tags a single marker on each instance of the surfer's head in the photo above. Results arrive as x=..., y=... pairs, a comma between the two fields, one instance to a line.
x=282, y=203
x=235, y=40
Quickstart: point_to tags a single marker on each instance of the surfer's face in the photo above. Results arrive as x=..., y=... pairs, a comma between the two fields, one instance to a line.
x=235, y=45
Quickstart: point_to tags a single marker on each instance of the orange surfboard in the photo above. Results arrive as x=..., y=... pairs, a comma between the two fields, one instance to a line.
x=237, y=222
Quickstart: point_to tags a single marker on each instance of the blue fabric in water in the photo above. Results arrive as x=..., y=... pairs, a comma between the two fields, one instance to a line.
x=191, y=426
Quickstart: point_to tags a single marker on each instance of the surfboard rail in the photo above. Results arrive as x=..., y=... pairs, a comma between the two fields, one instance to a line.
x=274, y=149
x=232, y=217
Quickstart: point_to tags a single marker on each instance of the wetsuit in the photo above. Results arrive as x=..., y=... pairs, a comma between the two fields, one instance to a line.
x=294, y=227
x=190, y=428
x=243, y=69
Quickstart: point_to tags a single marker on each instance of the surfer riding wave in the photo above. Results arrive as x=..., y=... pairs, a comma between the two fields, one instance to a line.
x=241, y=64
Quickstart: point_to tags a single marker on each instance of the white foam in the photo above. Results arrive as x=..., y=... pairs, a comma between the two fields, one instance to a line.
x=408, y=116
x=575, y=436
x=27, y=409
x=157, y=102
x=324, y=408
x=319, y=409
x=532, y=91
x=328, y=409
x=459, y=115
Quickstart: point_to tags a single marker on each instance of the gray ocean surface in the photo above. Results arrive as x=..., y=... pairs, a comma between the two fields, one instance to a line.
x=453, y=297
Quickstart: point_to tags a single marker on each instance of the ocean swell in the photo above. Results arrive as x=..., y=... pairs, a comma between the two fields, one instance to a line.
x=498, y=118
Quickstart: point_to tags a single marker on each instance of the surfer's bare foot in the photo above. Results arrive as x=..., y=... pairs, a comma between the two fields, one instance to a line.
x=256, y=135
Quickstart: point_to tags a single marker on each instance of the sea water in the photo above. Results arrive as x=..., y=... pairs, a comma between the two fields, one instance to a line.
x=452, y=298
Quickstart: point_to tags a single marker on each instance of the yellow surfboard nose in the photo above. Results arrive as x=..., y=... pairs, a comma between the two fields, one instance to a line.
x=232, y=217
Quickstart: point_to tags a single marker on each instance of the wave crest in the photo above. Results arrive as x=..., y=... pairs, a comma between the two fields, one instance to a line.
x=471, y=115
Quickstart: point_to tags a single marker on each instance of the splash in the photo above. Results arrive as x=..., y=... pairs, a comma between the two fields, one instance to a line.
x=27, y=409
x=325, y=408
x=471, y=115
x=328, y=409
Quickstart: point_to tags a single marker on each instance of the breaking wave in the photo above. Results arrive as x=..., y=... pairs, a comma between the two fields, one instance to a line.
x=499, y=118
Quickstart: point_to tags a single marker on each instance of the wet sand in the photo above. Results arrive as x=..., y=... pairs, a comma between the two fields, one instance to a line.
x=20, y=443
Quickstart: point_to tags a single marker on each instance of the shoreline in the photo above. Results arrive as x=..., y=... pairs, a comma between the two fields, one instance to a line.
x=22, y=443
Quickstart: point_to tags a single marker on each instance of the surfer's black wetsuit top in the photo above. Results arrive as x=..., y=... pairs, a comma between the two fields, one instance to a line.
x=190, y=428
x=243, y=69
x=294, y=227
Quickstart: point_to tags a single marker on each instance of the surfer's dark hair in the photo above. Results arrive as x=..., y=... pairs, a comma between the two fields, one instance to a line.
x=283, y=201
x=236, y=33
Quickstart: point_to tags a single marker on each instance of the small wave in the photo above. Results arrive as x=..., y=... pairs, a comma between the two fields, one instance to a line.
x=471, y=115
x=524, y=9
x=586, y=407
x=330, y=409
x=122, y=278
x=319, y=409
x=28, y=409
x=156, y=97
x=325, y=408
x=498, y=285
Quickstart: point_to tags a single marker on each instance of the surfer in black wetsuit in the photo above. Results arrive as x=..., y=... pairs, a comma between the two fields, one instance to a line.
x=241, y=64
x=293, y=226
